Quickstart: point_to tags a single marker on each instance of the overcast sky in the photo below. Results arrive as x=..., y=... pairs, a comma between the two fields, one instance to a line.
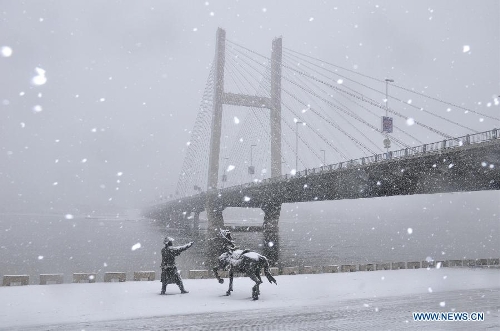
x=124, y=80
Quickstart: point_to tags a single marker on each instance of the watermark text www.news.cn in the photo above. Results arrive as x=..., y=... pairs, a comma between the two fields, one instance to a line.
x=448, y=316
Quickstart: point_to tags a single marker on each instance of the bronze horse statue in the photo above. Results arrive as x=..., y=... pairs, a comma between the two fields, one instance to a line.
x=247, y=262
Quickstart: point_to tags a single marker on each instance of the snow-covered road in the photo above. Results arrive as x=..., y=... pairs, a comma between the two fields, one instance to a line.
x=361, y=300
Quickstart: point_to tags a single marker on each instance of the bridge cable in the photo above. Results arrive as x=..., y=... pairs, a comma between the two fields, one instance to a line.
x=380, y=92
x=290, y=109
x=283, y=138
x=193, y=148
x=317, y=133
x=335, y=108
x=305, y=104
x=268, y=80
x=327, y=120
x=352, y=114
x=254, y=111
x=368, y=100
x=245, y=128
x=395, y=85
x=360, y=97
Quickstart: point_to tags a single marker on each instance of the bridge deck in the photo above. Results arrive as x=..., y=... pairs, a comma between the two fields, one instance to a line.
x=468, y=163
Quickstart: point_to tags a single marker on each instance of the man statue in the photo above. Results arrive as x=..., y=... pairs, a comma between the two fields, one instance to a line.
x=169, y=272
x=230, y=246
x=227, y=241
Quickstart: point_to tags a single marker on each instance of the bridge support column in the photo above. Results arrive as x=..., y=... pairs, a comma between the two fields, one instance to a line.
x=271, y=216
x=213, y=164
x=184, y=221
x=196, y=221
x=271, y=232
x=214, y=216
x=276, y=59
x=215, y=222
x=175, y=219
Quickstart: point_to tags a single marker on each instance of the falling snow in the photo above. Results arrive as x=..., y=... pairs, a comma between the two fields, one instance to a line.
x=93, y=98
x=6, y=51
x=40, y=78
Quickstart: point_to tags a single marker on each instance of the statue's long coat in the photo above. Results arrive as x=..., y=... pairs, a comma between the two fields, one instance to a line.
x=169, y=273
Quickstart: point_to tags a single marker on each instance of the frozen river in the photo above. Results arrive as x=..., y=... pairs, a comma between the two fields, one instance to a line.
x=448, y=226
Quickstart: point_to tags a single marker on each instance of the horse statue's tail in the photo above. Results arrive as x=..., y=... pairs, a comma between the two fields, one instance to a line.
x=268, y=274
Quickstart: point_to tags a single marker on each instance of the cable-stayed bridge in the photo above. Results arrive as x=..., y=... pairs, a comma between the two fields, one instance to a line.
x=293, y=128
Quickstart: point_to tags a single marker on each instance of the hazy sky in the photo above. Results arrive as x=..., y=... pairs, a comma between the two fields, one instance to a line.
x=124, y=79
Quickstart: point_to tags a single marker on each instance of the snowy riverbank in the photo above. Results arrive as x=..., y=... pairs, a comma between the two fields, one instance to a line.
x=85, y=306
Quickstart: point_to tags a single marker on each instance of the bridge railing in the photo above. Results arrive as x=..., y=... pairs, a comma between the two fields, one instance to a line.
x=402, y=153
x=434, y=147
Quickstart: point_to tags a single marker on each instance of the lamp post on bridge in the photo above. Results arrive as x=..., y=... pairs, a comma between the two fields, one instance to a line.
x=297, y=145
x=324, y=156
x=224, y=175
x=251, y=168
x=387, y=81
x=386, y=120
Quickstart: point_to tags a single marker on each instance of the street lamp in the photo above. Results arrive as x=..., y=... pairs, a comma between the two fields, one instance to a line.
x=387, y=81
x=387, y=121
x=324, y=156
x=224, y=176
x=297, y=145
x=251, y=168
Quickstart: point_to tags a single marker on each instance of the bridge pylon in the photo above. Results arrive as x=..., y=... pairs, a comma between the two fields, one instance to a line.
x=220, y=97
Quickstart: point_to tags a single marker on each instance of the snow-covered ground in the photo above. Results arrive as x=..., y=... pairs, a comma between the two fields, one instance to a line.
x=371, y=300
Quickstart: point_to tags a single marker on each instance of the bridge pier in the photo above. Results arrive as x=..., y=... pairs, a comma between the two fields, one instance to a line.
x=214, y=217
x=215, y=220
x=271, y=248
x=271, y=232
x=196, y=221
x=184, y=221
x=271, y=216
x=175, y=219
